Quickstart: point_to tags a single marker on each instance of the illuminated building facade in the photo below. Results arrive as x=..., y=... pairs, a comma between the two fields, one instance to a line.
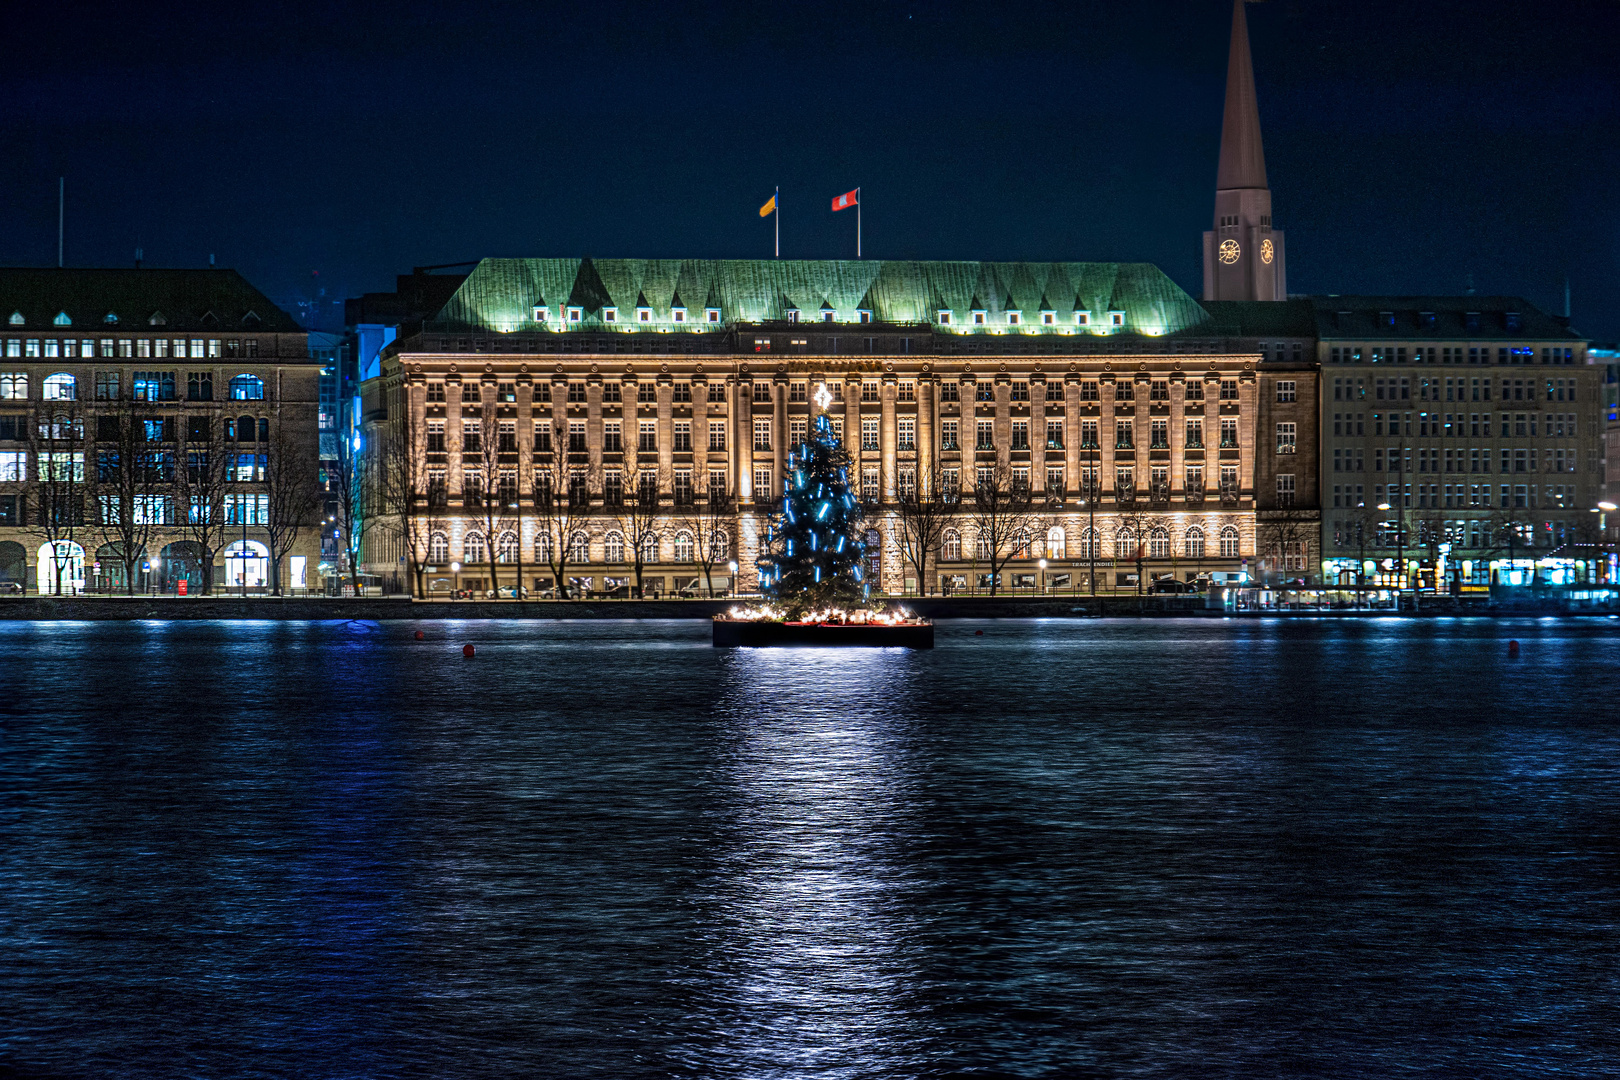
x=149, y=397
x=1462, y=442
x=1073, y=380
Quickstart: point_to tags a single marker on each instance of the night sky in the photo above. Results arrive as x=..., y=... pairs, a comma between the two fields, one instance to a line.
x=1409, y=146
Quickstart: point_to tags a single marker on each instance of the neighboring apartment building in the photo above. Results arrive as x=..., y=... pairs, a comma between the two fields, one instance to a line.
x=166, y=414
x=698, y=376
x=1461, y=442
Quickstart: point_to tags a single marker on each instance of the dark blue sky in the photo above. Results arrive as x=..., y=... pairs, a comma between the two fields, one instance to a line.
x=1409, y=146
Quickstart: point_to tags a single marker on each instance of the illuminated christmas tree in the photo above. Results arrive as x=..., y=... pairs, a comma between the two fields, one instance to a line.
x=813, y=547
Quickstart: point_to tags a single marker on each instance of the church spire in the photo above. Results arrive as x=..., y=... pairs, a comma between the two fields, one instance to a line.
x=1243, y=159
x=1243, y=254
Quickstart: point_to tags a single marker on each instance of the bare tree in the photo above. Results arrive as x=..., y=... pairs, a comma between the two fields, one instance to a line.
x=1004, y=517
x=1285, y=534
x=56, y=439
x=561, y=497
x=130, y=481
x=638, y=513
x=1140, y=524
x=710, y=518
x=202, y=476
x=924, y=508
x=494, y=504
x=292, y=494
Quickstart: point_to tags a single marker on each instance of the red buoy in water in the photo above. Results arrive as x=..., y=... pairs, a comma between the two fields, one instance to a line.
x=467, y=651
x=420, y=635
x=978, y=633
x=1513, y=648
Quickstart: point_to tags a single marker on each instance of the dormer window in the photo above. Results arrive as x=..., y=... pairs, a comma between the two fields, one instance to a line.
x=1048, y=318
x=863, y=315
x=610, y=314
x=576, y=314
x=678, y=314
x=1082, y=318
x=1513, y=320
x=793, y=314
x=944, y=318
x=1015, y=318
x=978, y=317
x=62, y=319
x=1116, y=318
x=643, y=314
x=1386, y=319
x=542, y=313
x=1426, y=319
x=828, y=314
x=111, y=318
x=1471, y=320
x=711, y=314
x=17, y=318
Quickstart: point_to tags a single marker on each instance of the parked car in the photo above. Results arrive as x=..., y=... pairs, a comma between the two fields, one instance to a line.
x=505, y=592
x=1171, y=586
x=11, y=588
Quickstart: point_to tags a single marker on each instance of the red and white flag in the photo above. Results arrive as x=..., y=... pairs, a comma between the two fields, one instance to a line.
x=847, y=200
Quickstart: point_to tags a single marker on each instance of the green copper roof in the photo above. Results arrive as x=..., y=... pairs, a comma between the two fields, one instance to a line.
x=501, y=295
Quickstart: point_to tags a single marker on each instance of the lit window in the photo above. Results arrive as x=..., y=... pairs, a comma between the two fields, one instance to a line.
x=575, y=314
x=643, y=314
x=1048, y=318
x=711, y=314
x=1082, y=318
x=678, y=314
x=610, y=314
x=864, y=315
x=1116, y=318
x=944, y=318
x=978, y=318
x=541, y=313
x=1014, y=318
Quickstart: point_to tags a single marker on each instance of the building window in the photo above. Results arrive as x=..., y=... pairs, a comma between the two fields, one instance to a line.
x=576, y=437
x=1285, y=489
x=60, y=387
x=1229, y=434
x=717, y=393
x=1082, y=318
x=906, y=433
x=986, y=435
x=717, y=433
x=948, y=435
x=1285, y=390
x=647, y=436
x=1054, y=434
x=1286, y=438
x=1229, y=390
x=1229, y=542
x=762, y=484
x=711, y=314
x=612, y=437
x=762, y=392
x=944, y=318
x=1020, y=435
x=247, y=388
x=576, y=393
x=1193, y=542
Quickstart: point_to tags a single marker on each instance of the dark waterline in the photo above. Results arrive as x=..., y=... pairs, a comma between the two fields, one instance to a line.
x=1178, y=848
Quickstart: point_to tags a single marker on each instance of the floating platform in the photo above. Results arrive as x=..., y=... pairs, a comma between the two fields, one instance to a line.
x=737, y=633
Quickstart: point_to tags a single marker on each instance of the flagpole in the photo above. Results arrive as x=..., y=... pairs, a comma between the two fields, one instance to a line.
x=857, y=223
x=776, y=219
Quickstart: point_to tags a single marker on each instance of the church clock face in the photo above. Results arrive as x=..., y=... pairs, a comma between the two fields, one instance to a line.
x=1229, y=251
x=1266, y=251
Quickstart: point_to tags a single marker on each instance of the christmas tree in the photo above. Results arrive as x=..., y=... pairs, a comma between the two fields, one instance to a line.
x=813, y=548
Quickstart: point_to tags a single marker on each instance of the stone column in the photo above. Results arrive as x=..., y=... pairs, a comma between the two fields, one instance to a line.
x=888, y=459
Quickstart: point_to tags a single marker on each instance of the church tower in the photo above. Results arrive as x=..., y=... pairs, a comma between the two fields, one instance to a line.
x=1243, y=255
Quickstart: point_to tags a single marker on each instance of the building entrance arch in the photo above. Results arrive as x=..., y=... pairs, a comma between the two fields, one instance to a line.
x=61, y=568
x=107, y=573
x=180, y=561
x=13, y=562
x=247, y=562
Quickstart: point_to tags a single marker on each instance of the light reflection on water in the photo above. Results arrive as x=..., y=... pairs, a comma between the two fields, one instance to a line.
x=814, y=968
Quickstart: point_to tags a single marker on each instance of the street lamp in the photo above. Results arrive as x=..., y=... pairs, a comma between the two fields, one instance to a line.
x=455, y=571
x=1041, y=562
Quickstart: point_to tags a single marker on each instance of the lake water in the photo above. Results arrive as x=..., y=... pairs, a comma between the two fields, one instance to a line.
x=605, y=849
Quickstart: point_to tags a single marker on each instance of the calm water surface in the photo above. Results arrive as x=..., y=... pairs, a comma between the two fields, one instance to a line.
x=605, y=849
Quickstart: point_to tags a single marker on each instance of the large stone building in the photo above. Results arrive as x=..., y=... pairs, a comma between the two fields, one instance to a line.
x=1462, y=442
x=697, y=376
x=156, y=427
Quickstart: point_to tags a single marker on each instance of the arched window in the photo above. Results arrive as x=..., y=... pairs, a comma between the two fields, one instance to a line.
x=1021, y=542
x=982, y=548
x=60, y=387
x=474, y=549
x=952, y=547
x=649, y=548
x=438, y=548
x=542, y=547
x=1229, y=542
x=245, y=427
x=247, y=388
x=1125, y=543
x=719, y=544
x=613, y=548
x=506, y=547
x=1195, y=542
x=579, y=547
x=1159, y=543
x=1090, y=544
x=1057, y=546
x=683, y=547
x=63, y=426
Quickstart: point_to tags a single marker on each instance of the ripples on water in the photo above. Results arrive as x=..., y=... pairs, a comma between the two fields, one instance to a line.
x=606, y=849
